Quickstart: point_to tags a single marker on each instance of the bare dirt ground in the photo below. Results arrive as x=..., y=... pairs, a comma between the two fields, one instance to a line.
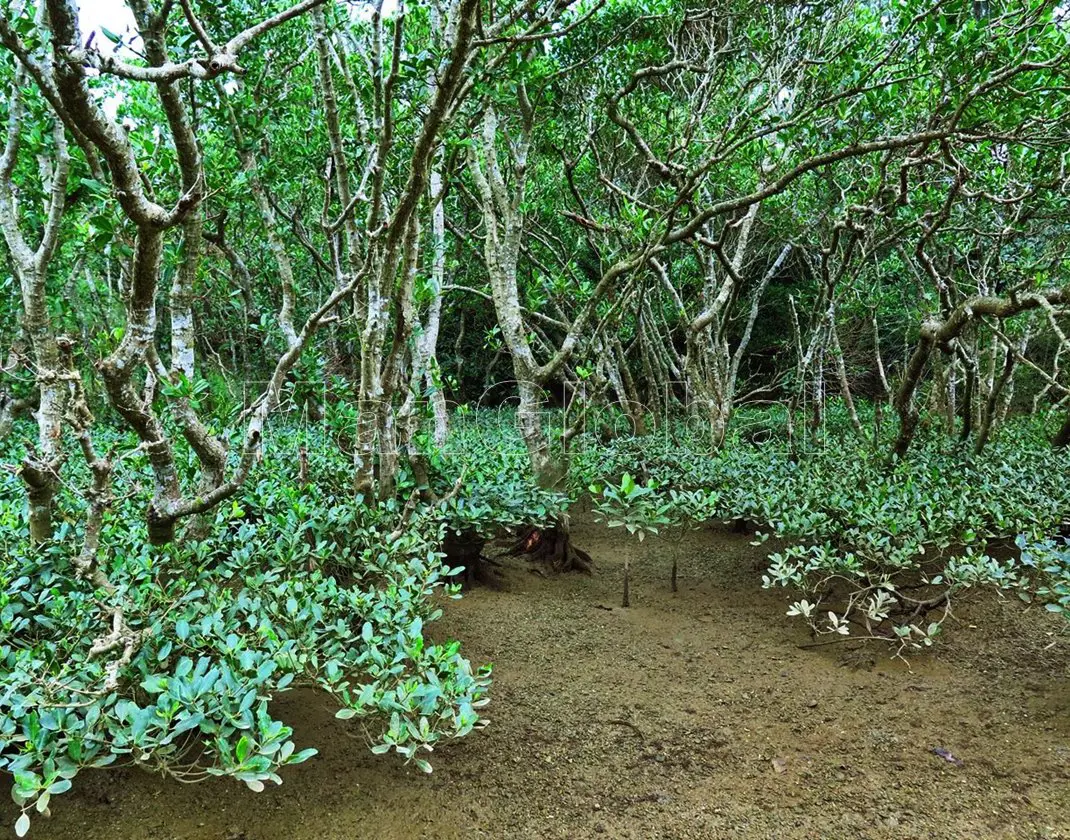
x=693, y=715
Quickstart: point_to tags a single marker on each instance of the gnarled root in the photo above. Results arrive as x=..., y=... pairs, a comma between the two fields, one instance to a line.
x=553, y=546
x=466, y=550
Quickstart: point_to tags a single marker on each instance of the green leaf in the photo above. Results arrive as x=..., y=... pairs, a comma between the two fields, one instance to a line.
x=192, y=722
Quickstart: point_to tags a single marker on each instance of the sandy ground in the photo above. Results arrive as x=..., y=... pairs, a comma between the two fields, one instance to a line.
x=694, y=715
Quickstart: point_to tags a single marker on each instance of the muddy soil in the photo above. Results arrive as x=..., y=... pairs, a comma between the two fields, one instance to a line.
x=694, y=715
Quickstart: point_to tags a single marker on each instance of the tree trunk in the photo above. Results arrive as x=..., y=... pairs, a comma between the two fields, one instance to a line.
x=991, y=412
x=40, y=468
x=904, y=402
x=845, y=385
x=531, y=430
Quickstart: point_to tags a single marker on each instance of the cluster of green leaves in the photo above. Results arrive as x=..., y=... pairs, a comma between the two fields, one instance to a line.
x=869, y=544
x=635, y=507
x=498, y=491
x=1049, y=563
x=293, y=587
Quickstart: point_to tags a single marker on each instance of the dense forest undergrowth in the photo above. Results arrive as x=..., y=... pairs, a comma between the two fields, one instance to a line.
x=694, y=715
x=300, y=588
x=737, y=327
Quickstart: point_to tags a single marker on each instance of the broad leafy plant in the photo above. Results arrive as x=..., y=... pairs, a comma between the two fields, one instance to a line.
x=291, y=589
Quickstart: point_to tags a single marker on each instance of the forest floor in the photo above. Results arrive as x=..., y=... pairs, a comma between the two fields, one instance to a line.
x=694, y=715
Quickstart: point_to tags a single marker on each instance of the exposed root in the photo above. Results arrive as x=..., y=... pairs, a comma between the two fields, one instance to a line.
x=466, y=550
x=622, y=722
x=554, y=547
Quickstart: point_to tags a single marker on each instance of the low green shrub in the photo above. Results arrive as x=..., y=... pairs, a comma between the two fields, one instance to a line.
x=293, y=587
x=870, y=546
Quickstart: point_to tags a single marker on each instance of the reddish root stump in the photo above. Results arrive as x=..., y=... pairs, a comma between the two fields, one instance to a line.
x=553, y=546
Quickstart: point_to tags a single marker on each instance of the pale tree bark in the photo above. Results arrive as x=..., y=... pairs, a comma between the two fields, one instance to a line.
x=708, y=358
x=425, y=349
x=619, y=380
x=940, y=332
x=500, y=203
x=392, y=367
x=500, y=198
x=428, y=342
x=209, y=450
x=630, y=391
x=385, y=259
x=40, y=468
x=371, y=309
x=810, y=365
x=820, y=392
x=183, y=331
x=150, y=220
x=67, y=82
x=424, y=372
x=999, y=395
x=711, y=365
x=841, y=378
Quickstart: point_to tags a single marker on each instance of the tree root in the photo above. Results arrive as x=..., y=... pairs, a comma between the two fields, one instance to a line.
x=466, y=550
x=622, y=722
x=553, y=546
